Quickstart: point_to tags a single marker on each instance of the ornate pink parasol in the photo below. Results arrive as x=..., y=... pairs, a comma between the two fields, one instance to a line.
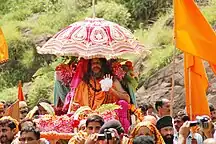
x=93, y=37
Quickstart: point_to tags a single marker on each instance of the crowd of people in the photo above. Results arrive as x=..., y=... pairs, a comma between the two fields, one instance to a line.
x=95, y=86
x=157, y=127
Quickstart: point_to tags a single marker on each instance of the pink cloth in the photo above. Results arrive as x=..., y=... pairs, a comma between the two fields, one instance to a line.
x=77, y=78
x=80, y=71
x=123, y=114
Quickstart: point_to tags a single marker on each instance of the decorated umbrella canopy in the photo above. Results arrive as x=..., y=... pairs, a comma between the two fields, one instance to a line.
x=93, y=37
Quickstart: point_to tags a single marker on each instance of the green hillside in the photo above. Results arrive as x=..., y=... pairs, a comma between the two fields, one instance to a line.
x=29, y=23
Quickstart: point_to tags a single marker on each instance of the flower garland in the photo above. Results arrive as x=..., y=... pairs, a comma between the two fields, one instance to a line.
x=124, y=72
x=60, y=124
x=67, y=123
x=137, y=112
x=67, y=72
x=118, y=70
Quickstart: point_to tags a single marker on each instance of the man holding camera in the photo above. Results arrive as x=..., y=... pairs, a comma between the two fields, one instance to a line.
x=206, y=129
x=178, y=122
x=93, y=125
x=113, y=132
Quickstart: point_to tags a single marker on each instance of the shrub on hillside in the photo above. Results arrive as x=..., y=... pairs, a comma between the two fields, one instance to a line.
x=145, y=11
x=23, y=63
x=112, y=11
x=42, y=87
x=9, y=94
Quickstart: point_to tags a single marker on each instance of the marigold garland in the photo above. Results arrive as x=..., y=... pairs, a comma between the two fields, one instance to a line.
x=136, y=111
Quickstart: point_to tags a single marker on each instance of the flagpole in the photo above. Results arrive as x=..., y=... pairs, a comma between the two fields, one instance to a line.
x=173, y=67
x=173, y=83
x=189, y=91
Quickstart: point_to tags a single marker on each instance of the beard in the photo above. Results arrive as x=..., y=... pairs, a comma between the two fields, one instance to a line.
x=4, y=139
x=97, y=75
x=168, y=140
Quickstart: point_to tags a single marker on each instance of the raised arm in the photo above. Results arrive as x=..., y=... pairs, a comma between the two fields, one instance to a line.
x=119, y=92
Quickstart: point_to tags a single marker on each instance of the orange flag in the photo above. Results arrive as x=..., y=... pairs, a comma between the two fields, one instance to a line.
x=213, y=66
x=196, y=84
x=13, y=111
x=20, y=92
x=3, y=48
x=193, y=33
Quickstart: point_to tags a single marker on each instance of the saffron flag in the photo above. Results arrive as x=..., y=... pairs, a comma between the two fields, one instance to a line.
x=13, y=111
x=20, y=92
x=213, y=66
x=196, y=84
x=3, y=48
x=193, y=34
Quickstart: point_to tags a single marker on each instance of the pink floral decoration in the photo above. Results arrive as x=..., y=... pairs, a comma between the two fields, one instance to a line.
x=118, y=71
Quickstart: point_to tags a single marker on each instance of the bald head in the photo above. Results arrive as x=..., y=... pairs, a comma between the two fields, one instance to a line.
x=22, y=104
x=210, y=141
x=151, y=119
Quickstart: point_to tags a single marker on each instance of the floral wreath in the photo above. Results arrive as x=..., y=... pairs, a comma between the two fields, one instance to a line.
x=124, y=72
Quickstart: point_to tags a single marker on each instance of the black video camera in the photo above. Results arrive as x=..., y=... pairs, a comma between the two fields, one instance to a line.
x=106, y=136
x=201, y=121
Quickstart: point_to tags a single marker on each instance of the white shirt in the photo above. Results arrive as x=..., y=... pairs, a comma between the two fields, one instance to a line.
x=197, y=136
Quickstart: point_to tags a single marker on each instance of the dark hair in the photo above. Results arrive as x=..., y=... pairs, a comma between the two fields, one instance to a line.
x=31, y=129
x=144, y=108
x=8, y=123
x=105, y=69
x=211, y=107
x=26, y=120
x=158, y=103
x=95, y=118
x=143, y=140
x=182, y=117
x=112, y=124
x=8, y=104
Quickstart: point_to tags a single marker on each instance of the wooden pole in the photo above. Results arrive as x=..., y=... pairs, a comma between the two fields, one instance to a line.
x=93, y=8
x=173, y=65
x=190, y=96
x=173, y=83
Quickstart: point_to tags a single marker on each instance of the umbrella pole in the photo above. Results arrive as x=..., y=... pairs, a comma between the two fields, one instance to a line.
x=93, y=8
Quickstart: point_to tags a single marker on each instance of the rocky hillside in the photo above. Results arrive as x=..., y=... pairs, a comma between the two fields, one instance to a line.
x=159, y=85
x=28, y=24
